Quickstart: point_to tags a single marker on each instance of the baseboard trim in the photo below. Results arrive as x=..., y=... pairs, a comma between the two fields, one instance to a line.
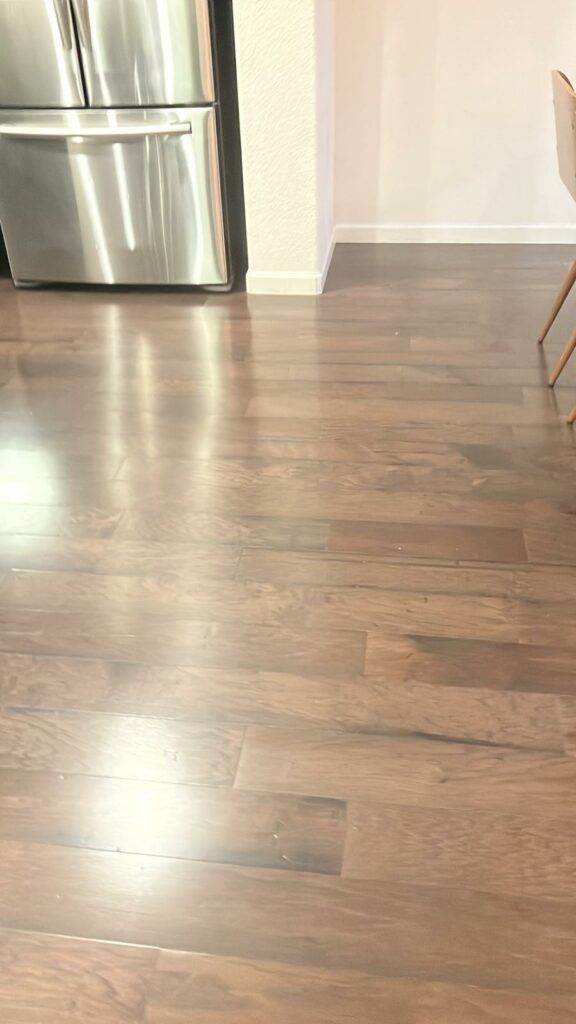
x=543, y=234
x=327, y=261
x=290, y=282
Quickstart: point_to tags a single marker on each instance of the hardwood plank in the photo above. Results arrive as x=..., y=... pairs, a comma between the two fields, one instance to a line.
x=567, y=715
x=115, y=636
x=394, y=450
x=234, y=390
x=436, y=576
x=391, y=308
x=333, y=569
x=359, y=609
x=246, y=912
x=373, y=705
x=112, y=311
x=230, y=488
x=187, y=439
x=192, y=989
x=299, y=500
x=159, y=819
x=392, y=411
x=60, y=407
x=57, y=521
x=458, y=662
x=413, y=540
x=553, y=543
x=43, y=366
x=218, y=695
x=111, y=556
x=44, y=977
x=425, y=473
x=383, y=704
x=52, y=979
x=46, y=463
x=400, y=352
x=409, y=770
x=303, y=502
x=178, y=525
x=516, y=852
x=88, y=743
x=55, y=412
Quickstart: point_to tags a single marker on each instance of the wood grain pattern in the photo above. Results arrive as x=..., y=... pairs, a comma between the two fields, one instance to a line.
x=115, y=636
x=177, y=524
x=379, y=704
x=233, y=695
x=192, y=822
x=131, y=748
x=422, y=473
x=189, y=989
x=409, y=770
x=389, y=410
x=111, y=556
x=292, y=917
x=517, y=852
x=531, y=720
x=436, y=576
x=476, y=543
x=287, y=649
x=42, y=977
x=554, y=544
x=451, y=662
x=360, y=609
x=52, y=979
x=57, y=521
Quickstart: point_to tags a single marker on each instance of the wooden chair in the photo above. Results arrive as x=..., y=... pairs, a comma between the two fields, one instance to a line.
x=565, y=114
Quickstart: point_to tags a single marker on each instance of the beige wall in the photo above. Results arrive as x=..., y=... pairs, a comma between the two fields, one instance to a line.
x=285, y=57
x=444, y=119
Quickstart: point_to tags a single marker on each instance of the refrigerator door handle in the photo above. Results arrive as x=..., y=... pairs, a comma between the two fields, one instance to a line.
x=83, y=22
x=43, y=131
x=62, y=12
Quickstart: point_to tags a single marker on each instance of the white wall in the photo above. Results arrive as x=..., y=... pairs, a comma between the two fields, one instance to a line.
x=325, y=128
x=444, y=120
x=286, y=94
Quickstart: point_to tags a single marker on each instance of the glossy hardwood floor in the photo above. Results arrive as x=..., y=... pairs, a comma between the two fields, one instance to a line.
x=288, y=650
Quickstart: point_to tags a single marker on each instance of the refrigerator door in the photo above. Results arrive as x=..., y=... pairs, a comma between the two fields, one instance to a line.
x=145, y=53
x=112, y=197
x=39, y=65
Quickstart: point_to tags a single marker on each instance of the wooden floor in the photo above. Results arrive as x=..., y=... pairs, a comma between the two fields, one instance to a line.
x=288, y=650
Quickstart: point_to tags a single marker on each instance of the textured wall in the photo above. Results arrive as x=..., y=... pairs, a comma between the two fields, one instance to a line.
x=284, y=80
x=444, y=118
x=325, y=124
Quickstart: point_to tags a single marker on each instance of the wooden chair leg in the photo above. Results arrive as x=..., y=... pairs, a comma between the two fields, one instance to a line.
x=572, y=416
x=563, y=294
x=563, y=359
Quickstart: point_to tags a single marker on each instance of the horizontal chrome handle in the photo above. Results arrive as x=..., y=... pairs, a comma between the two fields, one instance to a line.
x=42, y=131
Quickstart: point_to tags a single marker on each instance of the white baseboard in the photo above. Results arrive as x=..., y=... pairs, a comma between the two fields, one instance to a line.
x=327, y=261
x=459, y=233
x=290, y=282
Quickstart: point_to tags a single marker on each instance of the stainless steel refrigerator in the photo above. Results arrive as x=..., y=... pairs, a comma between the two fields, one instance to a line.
x=110, y=146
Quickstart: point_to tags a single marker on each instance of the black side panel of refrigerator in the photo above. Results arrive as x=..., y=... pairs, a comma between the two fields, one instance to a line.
x=229, y=137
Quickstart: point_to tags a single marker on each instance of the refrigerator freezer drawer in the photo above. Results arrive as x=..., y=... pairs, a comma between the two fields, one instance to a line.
x=39, y=64
x=112, y=197
x=145, y=53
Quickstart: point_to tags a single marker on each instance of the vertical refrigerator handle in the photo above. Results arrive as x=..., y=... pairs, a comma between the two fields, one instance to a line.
x=63, y=17
x=83, y=21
